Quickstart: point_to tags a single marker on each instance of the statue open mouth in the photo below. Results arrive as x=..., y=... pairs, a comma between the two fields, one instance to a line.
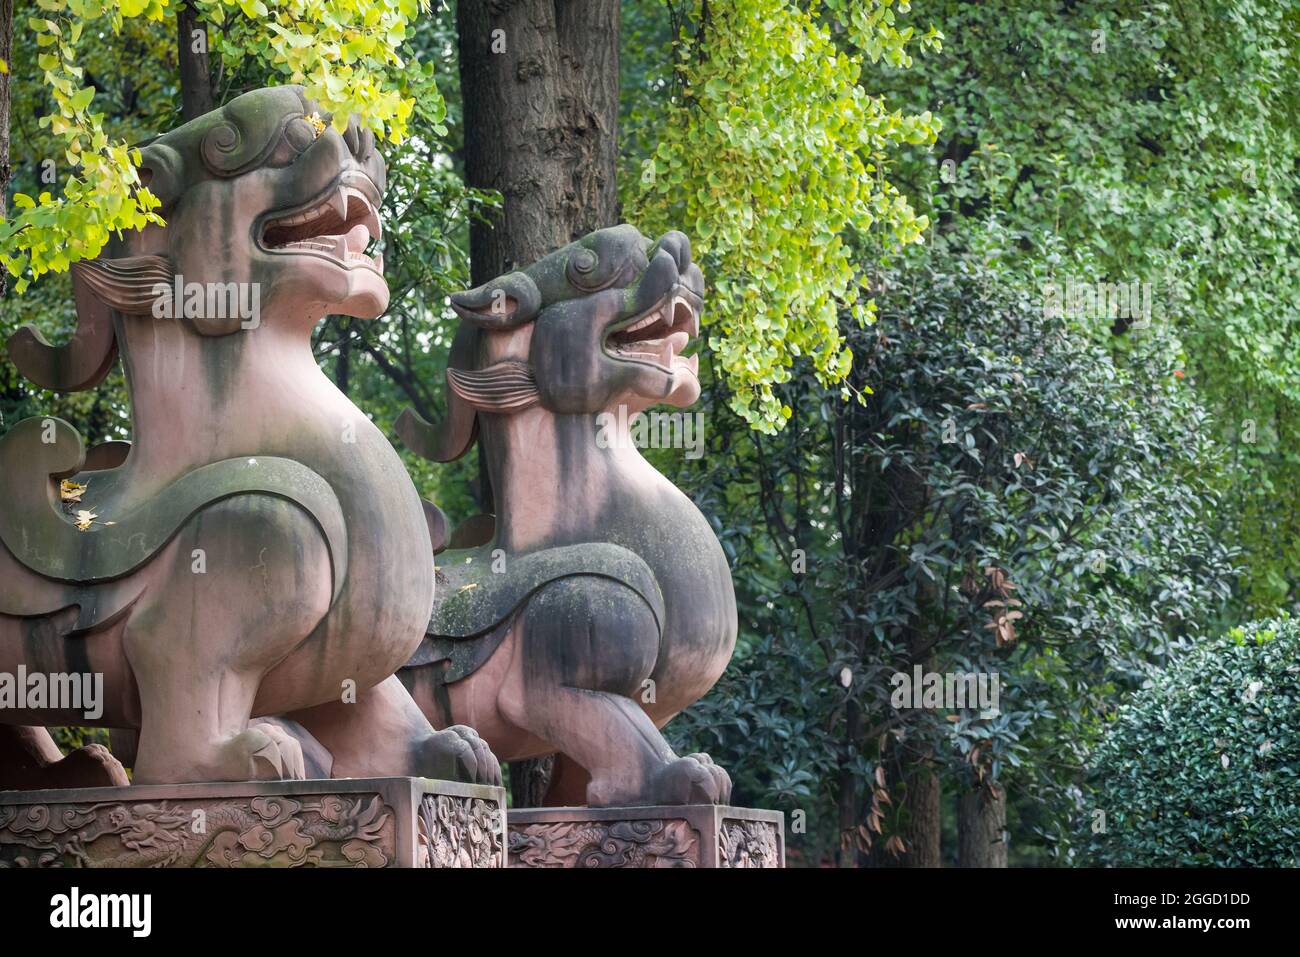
x=337, y=225
x=659, y=335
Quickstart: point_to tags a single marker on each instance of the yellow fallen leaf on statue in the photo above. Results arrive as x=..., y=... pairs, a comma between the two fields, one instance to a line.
x=70, y=491
x=85, y=518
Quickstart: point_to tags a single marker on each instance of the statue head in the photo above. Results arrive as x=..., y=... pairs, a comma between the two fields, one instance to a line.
x=263, y=200
x=597, y=324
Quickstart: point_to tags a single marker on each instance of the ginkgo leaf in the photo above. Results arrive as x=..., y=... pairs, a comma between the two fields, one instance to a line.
x=70, y=491
x=85, y=518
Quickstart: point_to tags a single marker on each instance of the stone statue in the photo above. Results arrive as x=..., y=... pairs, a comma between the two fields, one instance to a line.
x=599, y=604
x=258, y=549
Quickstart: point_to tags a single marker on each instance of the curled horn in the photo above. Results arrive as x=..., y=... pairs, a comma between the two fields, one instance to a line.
x=503, y=303
x=502, y=388
x=101, y=286
x=452, y=437
x=444, y=442
x=79, y=364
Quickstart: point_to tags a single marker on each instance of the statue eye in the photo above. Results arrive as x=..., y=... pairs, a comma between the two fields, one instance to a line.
x=583, y=261
x=300, y=133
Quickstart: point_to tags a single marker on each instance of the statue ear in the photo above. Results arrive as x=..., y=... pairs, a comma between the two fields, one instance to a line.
x=503, y=303
x=163, y=171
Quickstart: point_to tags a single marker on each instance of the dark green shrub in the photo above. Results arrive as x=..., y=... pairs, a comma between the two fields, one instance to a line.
x=1203, y=766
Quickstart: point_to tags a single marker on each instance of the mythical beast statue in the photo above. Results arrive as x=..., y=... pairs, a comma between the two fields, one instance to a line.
x=600, y=604
x=258, y=549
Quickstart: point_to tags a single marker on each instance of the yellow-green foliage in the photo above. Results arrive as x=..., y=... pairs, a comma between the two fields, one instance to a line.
x=343, y=51
x=774, y=160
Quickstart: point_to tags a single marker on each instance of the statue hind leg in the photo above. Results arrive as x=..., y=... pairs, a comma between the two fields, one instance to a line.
x=243, y=584
x=29, y=757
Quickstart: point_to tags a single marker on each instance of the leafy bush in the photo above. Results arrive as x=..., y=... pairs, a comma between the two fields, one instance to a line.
x=1203, y=767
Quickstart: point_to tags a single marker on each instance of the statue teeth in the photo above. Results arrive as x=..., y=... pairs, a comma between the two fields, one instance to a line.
x=339, y=203
x=695, y=316
x=649, y=320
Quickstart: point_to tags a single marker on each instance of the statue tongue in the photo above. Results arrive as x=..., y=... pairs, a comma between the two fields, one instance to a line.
x=358, y=238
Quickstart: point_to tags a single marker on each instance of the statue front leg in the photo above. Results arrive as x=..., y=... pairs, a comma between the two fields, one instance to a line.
x=29, y=758
x=384, y=733
x=582, y=649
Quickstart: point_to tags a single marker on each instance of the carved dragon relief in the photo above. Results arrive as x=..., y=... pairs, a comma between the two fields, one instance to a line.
x=331, y=831
x=606, y=844
x=748, y=844
x=460, y=832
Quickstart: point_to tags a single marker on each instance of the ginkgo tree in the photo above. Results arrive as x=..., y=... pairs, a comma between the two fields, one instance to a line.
x=343, y=53
x=774, y=157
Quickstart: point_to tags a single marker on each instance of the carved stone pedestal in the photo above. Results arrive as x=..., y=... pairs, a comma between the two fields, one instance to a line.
x=696, y=835
x=361, y=822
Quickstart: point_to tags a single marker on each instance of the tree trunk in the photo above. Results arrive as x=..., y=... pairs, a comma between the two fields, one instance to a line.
x=922, y=796
x=848, y=799
x=914, y=784
x=196, y=81
x=923, y=813
x=6, y=54
x=981, y=828
x=539, y=83
x=343, y=362
x=914, y=787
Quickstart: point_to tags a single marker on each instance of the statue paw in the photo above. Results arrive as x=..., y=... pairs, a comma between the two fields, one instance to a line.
x=459, y=754
x=91, y=766
x=693, y=779
x=263, y=753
